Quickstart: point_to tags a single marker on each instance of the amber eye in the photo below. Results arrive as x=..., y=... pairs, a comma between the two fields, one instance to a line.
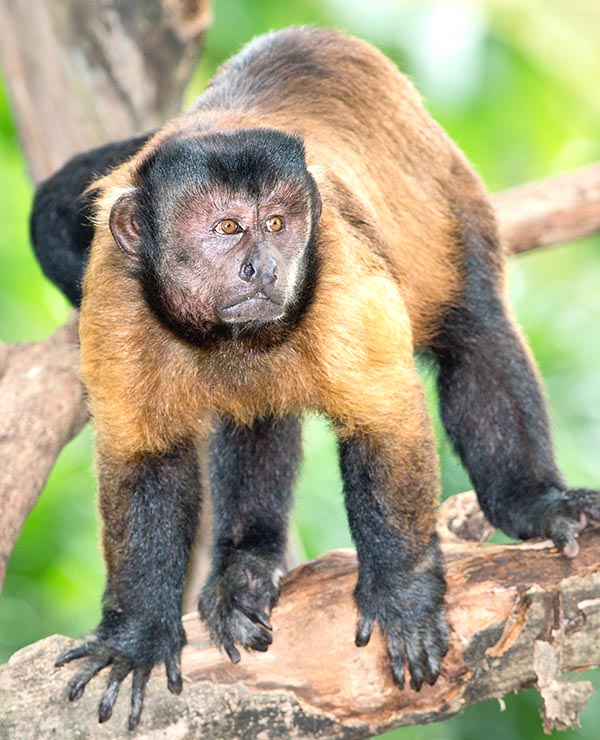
x=275, y=223
x=228, y=226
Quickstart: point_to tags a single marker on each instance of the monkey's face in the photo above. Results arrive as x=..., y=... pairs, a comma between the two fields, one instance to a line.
x=231, y=258
x=219, y=240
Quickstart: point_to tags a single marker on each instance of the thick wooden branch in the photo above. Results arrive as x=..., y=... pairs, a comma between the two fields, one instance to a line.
x=41, y=409
x=551, y=211
x=84, y=73
x=520, y=614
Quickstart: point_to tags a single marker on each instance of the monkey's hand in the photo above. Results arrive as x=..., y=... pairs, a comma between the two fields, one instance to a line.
x=236, y=602
x=128, y=644
x=556, y=515
x=409, y=607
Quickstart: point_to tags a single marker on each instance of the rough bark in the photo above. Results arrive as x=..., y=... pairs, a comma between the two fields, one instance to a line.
x=41, y=409
x=520, y=614
x=82, y=72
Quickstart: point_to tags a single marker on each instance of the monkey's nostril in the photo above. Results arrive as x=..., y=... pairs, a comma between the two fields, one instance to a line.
x=247, y=271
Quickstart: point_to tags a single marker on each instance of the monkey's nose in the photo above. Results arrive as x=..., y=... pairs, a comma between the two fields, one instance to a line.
x=264, y=270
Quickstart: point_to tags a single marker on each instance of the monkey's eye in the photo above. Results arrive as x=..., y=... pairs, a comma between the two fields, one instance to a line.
x=275, y=223
x=228, y=226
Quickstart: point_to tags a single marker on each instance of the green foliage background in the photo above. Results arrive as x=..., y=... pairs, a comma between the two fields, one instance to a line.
x=516, y=85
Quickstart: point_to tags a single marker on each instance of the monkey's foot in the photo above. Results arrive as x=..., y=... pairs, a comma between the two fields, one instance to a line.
x=236, y=603
x=128, y=645
x=559, y=516
x=410, y=611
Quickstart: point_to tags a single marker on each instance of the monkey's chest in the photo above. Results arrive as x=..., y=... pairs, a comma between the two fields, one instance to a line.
x=248, y=384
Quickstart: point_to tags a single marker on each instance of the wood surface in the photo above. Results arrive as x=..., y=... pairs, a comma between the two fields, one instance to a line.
x=521, y=615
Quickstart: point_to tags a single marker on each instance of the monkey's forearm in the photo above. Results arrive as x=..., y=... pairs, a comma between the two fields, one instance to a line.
x=253, y=469
x=150, y=512
x=401, y=578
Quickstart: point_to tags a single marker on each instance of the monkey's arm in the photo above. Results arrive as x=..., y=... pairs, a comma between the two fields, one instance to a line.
x=252, y=470
x=389, y=469
x=390, y=487
x=150, y=509
x=60, y=225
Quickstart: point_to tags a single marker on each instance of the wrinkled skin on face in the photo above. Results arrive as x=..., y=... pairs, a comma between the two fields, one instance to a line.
x=211, y=254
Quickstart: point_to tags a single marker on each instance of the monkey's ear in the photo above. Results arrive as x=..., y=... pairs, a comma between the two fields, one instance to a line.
x=125, y=225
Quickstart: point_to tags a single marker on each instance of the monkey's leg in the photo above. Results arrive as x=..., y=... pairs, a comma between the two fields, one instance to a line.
x=493, y=409
x=150, y=511
x=252, y=473
x=390, y=485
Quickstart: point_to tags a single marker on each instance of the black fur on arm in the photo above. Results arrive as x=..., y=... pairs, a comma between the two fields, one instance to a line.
x=401, y=581
x=150, y=511
x=493, y=407
x=252, y=469
x=60, y=226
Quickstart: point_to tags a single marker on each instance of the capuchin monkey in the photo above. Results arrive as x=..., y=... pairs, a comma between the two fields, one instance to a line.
x=290, y=243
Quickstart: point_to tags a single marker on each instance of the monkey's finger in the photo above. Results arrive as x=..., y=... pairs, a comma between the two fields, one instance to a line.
x=431, y=668
x=174, y=682
x=363, y=631
x=564, y=537
x=396, y=654
x=416, y=662
x=256, y=616
x=261, y=637
x=140, y=679
x=79, y=651
x=261, y=641
x=436, y=644
x=78, y=684
x=589, y=501
x=109, y=697
x=232, y=652
x=443, y=633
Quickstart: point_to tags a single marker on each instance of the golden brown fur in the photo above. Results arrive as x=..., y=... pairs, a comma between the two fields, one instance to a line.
x=388, y=271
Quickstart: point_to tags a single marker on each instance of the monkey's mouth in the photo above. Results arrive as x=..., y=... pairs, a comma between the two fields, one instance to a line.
x=256, y=307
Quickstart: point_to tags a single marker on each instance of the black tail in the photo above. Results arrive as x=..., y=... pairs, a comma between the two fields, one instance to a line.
x=60, y=226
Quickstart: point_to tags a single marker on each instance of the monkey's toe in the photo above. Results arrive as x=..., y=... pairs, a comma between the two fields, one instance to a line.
x=128, y=645
x=419, y=650
x=564, y=514
x=236, y=603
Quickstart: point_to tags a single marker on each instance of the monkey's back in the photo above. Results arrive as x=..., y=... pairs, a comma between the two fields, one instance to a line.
x=381, y=162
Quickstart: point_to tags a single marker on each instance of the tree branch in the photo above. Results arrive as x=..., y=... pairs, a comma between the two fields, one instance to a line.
x=559, y=209
x=520, y=614
x=41, y=409
x=89, y=72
